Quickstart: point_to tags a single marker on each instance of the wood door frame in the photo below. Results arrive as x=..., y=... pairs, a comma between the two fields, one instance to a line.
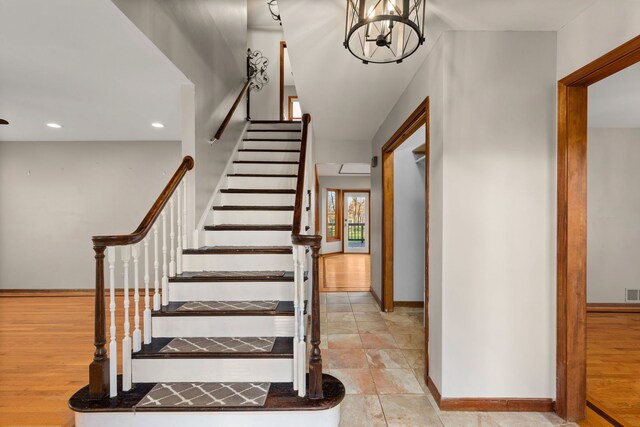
x=368, y=228
x=283, y=46
x=571, y=355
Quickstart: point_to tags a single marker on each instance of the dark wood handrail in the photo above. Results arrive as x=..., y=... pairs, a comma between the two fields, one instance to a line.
x=297, y=212
x=146, y=224
x=231, y=112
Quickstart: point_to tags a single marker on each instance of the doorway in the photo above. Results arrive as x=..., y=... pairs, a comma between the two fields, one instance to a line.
x=356, y=222
x=289, y=104
x=571, y=387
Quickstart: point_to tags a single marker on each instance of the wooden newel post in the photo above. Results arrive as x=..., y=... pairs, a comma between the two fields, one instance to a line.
x=99, y=367
x=315, y=358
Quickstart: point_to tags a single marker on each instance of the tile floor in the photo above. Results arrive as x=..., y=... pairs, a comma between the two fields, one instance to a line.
x=378, y=356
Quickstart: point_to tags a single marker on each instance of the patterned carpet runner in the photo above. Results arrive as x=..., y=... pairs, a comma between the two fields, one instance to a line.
x=220, y=345
x=203, y=395
x=228, y=305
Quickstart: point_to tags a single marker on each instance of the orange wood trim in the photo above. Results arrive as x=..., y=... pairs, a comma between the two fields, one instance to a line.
x=298, y=208
x=339, y=207
x=497, y=405
x=433, y=389
x=231, y=112
x=283, y=46
x=416, y=304
x=613, y=308
x=571, y=388
x=317, y=189
x=376, y=297
x=290, y=106
x=144, y=227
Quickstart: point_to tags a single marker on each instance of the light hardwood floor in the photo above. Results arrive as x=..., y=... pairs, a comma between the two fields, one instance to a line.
x=345, y=273
x=613, y=366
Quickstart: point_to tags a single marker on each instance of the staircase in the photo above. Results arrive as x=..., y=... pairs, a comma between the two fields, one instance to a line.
x=226, y=341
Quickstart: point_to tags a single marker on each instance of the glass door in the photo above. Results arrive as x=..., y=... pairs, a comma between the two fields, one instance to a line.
x=356, y=222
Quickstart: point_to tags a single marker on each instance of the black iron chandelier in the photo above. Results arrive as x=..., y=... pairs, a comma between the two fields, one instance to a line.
x=274, y=10
x=383, y=31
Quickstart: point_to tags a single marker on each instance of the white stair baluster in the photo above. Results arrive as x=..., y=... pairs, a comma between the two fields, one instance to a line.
x=179, y=248
x=172, y=235
x=126, y=341
x=113, y=345
x=137, y=341
x=301, y=344
x=156, y=265
x=165, y=294
x=147, y=310
x=296, y=319
x=184, y=212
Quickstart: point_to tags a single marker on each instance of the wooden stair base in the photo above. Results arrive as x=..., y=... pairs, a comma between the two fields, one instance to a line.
x=282, y=348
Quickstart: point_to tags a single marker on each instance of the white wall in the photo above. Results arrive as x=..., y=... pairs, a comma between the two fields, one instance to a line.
x=337, y=182
x=209, y=48
x=265, y=105
x=409, y=221
x=613, y=205
x=288, y=91
x=56, y=195
x=341, y=151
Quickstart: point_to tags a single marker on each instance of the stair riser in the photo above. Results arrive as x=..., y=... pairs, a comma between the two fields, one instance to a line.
x=271, y=145
x=268, y=156
x=279, y=126
x=256, y=199
x=316, y=418
x=235, y=262
x=273, y=135
x=230, y=291
x=212, y=370
x=222, y=326
x=265, y=168
x=252, y=217
x=247, y=238
x=260, y=182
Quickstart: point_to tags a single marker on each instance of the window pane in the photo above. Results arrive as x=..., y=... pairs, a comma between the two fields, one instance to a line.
x=332, y=231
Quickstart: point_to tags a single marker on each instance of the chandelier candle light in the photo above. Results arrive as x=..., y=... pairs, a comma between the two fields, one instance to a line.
x=384, y=31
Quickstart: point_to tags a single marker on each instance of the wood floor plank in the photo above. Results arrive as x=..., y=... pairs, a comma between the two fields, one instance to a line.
x=345, y=273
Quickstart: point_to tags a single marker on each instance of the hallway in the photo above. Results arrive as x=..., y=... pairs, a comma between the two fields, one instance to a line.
x=345, y=273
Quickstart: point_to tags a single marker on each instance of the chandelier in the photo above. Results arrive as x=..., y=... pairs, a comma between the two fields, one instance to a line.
x=383, y=31
x=274, y=10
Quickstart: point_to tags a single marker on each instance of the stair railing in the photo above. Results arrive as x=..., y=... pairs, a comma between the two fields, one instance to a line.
x=171, y=207
x=300, y=242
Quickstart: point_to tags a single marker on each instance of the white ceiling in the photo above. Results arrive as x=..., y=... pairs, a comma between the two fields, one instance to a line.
x=349, y=100
x=615, y=101
x=348, y=169
x=83, y=64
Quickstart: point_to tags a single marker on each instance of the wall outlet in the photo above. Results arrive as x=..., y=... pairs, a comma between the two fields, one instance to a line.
x=632, y=295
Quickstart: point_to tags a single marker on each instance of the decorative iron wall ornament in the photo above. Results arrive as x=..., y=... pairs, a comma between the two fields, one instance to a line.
x=257, y=70
x=275, y=10
x=383, y=31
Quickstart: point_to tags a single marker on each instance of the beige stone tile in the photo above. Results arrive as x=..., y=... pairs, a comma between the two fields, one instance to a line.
x=344, y=359
x=414, y=310
x=410, y=341
x=409, y=410
x=361, y=411
x=364, y=308
x=396, y=381
x=341, y=317
x=368, y=316
x=337, y=298
x=364, y=327
x=419, y=374
x=343, y=328
x=344, y=341
x=338, y=308
x=386, y=358
x=520, y=419
x=359, y=294
x=415, y=358
x=377, y=340
x=324, y=341
x=362, y=300
x=466, y=419
x=356, y=381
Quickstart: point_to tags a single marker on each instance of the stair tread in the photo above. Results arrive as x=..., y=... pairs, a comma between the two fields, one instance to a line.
x=263, y=175
x=264, y=162
x=251, y=208
x=281, y=397
x=266, y=150
x=275, y=130
x=234, y=276
x=282, y=348
x=287, y=122
x=258, y=191
x=238, y=250
x=282, y=308
x=249, y=227
x=274, y=139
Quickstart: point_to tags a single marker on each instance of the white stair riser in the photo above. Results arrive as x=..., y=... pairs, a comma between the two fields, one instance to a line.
x=281, y=126
x=222, y=326
x=274, y=156
x=247, y=238
x=230, y=291
x=272, y=145
x=284, y=134
x=252, y=217
x=324, y=418
x=265, y=168
x=260, y=182
x=236, y=262
x=212, y=370
x=257, y=199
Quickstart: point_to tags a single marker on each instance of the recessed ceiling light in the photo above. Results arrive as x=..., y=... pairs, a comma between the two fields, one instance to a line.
x=54, y=125
x=157, y=125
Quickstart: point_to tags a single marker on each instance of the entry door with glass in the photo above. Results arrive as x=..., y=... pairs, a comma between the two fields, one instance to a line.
x=356, y=222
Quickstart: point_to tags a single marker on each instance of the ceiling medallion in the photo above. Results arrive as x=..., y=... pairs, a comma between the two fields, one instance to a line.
x=384, y=31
